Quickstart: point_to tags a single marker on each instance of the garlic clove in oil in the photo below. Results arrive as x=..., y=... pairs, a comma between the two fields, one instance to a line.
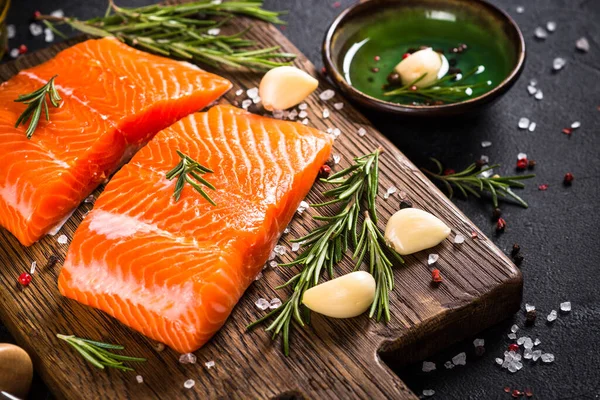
x=285, y=87
x=411, y=230
x=425, y=61
x=345, y=297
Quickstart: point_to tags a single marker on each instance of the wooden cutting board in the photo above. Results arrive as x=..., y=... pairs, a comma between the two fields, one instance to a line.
x=329, y=359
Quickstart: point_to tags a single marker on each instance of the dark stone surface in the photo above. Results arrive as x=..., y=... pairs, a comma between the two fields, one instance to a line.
x=559, y=232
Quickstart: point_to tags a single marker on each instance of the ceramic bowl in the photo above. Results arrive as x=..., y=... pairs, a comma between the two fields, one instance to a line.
x=463, y=21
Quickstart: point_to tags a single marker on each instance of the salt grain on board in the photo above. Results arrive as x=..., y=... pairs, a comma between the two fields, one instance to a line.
x=187, y=358
x=460, y=359
x=209, y=364
x=302, y=106
x=459, y=239
x=302, y=114
x=14, y=53
x=262, y=304
x=325, y=113
x=62, y=239
x=139, y=379
x=302, y=207
x=239, y=92
x=58, y=13
x=275, y=303
x=305, y=121
x=539, y=95
x=252, y=92
x=575, y=125
x=552, y=316
x=551, y=26
x=362, y=132
x=189, y=384
x=391, y=190
x=520, y=9
x=336, y=158
x=338, y=106
x=432, y=259
x=32, y=268
x=327, y=95
x=428, y=392
x=565, y=307
x=532, y=126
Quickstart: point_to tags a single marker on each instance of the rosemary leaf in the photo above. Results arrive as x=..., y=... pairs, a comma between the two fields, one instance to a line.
x=97, y=353
x=189, y=171
x=36, y=103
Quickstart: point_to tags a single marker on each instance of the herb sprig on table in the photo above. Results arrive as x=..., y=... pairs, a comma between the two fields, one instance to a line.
x=355, y=188
x=186, y=31
x=474, y=180
x=37, y=102
x=98, y=354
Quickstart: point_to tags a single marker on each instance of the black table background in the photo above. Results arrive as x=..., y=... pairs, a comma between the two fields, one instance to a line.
x=558, y=233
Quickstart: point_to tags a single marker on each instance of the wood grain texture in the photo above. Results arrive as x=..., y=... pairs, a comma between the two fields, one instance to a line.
x=329, y=359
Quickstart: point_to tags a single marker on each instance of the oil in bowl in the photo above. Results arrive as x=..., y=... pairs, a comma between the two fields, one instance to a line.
x=479, y=49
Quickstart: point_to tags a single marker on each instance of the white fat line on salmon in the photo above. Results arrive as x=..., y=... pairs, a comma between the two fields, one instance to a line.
x=66, y=92
x=13, y=199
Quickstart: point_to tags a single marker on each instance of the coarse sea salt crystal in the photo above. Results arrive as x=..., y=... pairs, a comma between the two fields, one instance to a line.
x=139, y=379
x=302, y=207
x=11, y=31
x=35, y=29
x=260, y=275
x=575, y=125
x=303, y=106
x=540, y=33
x=520, y=9
x=528, y=354
x=558, y=63
x=499, y=361
x=523, y=123
x=295, y=246
x=529, y=307
x=246, y=103
x=528, y=344
x=262, y=304
x=273, y=264
x=532, y=126
x=279, y=249
x=302, y=114
x=189, y=384
x=256, y=100
x=536, y=355
x=460, y=359
x=565, y=307
x=521, y=340
x=252, y=92
x=537, y=342
x=521, y=156
x=338, y=106
x=539, y=95
x=336, y=132
x=428, y=392
x=58, y=13
x=459, y=239
x=582, y=44
x=214, y=31
x=239, y=92
x=552, y=316
x=325, y=113
x=512, y=336
x=391, y=190
x=90, y=199
x=187, y=358
x=48, y=35
x=514, y=328
x=362, y=132
x=305, y=121
x=62, y=239
x=275, y=303
x=486, y=143
x=485, y=159
x=32, y=268
x=286, y=230
x=209, y=364
x=531, y=90
x=327, y=95
x=432, y=259
x=336, y=158
x=448, y=365
x=14, y=53
x=478, y=342
x=547, y=357
x=551, y=26
x=428, y=366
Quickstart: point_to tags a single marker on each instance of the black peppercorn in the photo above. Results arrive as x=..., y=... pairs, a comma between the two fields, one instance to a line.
x=480, y=163
x=394, y=79
x=405, y=204
x=497, y=213
x=518, y=259
x=531, y=164
x=515, y=249
x=53, y=259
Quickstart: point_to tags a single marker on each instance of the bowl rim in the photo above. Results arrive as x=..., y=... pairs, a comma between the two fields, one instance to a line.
x=374, y=102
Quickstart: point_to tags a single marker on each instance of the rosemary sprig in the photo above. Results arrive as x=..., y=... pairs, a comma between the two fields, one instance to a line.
x=98, y=354
x=371, y=245
x=189, y=171
x=473, y=180
x=182, y=31
x=325, y=246
x=36, y=102
x=450, y=91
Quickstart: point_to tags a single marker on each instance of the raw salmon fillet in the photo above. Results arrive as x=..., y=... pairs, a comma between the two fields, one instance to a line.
x=115, y=99
x=174, y=270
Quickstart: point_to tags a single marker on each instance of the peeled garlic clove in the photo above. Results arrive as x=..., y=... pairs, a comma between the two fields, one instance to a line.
x=421, y=62
x=16, y=370
x=284, y=87
x=411, y=230
x=344, y=297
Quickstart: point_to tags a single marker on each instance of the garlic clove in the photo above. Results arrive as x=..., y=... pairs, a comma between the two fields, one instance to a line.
x=411, y=230
x=285, y=87
x=421, y=62
x=345, y=297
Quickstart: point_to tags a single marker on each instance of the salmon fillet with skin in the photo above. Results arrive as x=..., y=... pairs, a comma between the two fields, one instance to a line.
x=115, y=99
x=174, y=270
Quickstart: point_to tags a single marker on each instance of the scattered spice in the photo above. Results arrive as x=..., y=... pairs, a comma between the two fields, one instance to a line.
x=500, y=225
x=497, y=213
x=473, y=235
x=52, y=260
x=513, y=347
x=22, y=49
x=516, y=393
x=375, y=69
x=25, y=279
x=531, y=164
x=515, y=249
x=518, y=259
x=522, y=164
x=36, y=14
x=507, y=389
x=377, y=58
x=568, y=179
x=543, y=187
x=567, y=131
x=449, y=171
x=528, y=393
x=405, y=55
x=324, y=171
x=436, y=278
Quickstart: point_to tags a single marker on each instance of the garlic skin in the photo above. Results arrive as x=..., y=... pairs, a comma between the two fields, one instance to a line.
x=418, y=63
x=285, y=87
x=411, y=230
x=345, y=297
